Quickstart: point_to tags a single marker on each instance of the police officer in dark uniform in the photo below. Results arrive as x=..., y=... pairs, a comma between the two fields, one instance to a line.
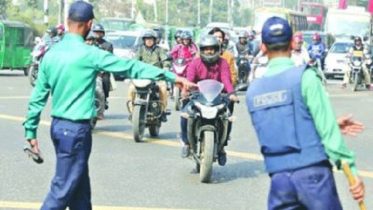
x=99, y=32
x=297, y=129
x=69, y=70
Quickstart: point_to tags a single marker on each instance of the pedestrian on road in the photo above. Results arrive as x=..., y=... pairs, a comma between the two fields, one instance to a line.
x=297, y=129
x=68, y=71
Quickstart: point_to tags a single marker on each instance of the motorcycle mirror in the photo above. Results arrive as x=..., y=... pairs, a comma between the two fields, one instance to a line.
x=365, y=38
x=168, y=58
x=241, y=87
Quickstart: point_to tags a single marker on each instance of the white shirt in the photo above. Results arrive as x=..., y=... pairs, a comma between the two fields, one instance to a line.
x=300, y=58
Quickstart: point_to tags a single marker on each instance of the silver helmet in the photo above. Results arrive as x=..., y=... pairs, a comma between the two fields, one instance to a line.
x=209, y=41
x=149, y=34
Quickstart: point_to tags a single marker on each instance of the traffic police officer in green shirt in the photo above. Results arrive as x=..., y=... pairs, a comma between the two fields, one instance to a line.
x=68, y=72
x=297, y=129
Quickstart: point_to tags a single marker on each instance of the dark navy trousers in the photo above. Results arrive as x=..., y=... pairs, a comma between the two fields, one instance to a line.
x=309, y=188
x=70, y=186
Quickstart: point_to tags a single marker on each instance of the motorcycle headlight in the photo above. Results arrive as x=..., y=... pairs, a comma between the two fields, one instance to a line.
x=207, y=112
x=369, y=61
x=357, y=63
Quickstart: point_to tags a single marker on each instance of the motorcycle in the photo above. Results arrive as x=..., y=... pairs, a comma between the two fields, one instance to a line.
x=208, y=118
x=243, y=72
x=357, y=75
x=147, y=107
x=36, y=54
x=178, y=67
x=99, y=100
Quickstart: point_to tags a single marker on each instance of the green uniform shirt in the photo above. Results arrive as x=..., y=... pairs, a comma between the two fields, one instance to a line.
x=68, y=71
x=321, y=110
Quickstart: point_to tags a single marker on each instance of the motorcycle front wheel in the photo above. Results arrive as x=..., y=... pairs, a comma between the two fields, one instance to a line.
x=355, y=84
x=177, y=103
x=207, y=157
x=138, y=120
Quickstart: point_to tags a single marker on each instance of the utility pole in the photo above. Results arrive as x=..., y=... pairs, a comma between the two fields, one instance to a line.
x=211, y=5
x=166, y=12
x=229, y=11
x=132, y=9
x=66, y=11
x=155, y=11
x=46, y=22
x=199, y=14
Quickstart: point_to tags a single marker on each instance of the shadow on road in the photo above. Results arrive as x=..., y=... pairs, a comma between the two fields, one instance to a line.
x=237, y=170
x=115, y=128
x=116, y=117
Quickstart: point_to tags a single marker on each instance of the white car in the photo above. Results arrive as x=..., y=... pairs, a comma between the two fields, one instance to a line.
x=125, y=42
x=336, y=60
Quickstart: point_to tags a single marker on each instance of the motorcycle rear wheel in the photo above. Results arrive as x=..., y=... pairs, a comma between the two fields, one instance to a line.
x=32, y=75
x=207, y=157
x=138, y=122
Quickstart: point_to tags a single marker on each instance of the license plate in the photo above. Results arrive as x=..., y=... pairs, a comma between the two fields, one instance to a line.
x=337, y=70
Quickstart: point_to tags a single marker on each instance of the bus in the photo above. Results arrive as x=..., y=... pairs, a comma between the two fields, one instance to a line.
x=315, y=15
x=116, y=24
x=353, y=21
x=16, y=43
x=297, y=20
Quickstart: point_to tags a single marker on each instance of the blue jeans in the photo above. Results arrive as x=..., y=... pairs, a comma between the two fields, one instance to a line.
x=70, y=186
x=308, y=188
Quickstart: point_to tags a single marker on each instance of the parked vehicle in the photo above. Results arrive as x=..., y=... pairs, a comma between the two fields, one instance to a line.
x=16, y=43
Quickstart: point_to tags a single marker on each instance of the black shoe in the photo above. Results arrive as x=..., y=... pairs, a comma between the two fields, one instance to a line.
x=185, y=151
x=106, y=105
x=222, y=159
x=164, y=118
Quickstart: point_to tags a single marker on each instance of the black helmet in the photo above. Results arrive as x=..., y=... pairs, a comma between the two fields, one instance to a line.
x=98, y=28
x=186, y=35
x=357, y=38
x=90, y=36
x=52, y=31
x=178, y=33
x=209, y=41
x=149, y=34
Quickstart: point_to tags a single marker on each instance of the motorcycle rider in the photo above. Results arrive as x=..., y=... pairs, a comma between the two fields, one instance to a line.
x=151, y=53
x=316, y=50
x=186, y=50
x=230, y=45
x=297, y=129
x=244, y=48
x=220, y=36
x=91, y=40
x=358, y=50
x=208, y=66
x=60, y=31
x=299, y=54
x=177, y=36
x=99, y=32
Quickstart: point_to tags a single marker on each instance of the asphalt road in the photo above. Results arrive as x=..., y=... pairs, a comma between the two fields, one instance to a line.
x=152, y=174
